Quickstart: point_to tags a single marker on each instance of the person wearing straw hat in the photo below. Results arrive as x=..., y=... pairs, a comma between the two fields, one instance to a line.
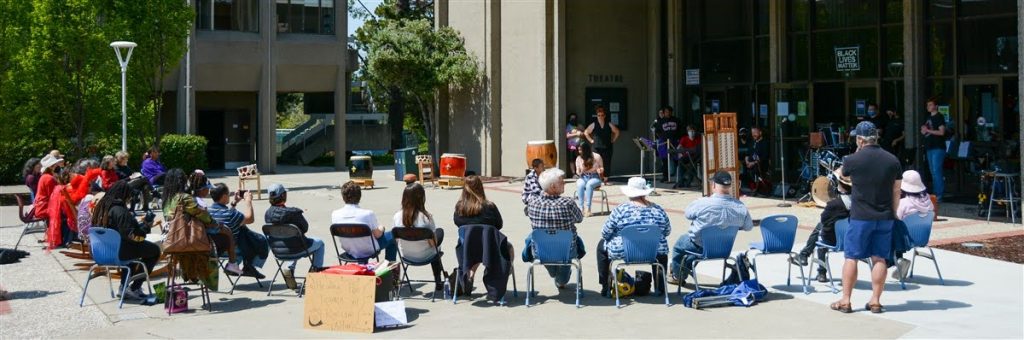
x=47, y=182
x=720, y=210
x=836, y=209
x=638, y=211
x=876, y=176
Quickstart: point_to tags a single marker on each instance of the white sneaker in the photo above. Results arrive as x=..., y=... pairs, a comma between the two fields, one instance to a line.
x=233, y=267
x=902, y=269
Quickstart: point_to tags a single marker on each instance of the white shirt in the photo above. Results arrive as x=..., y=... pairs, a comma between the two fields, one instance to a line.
x=352, y=213
x=420, y=250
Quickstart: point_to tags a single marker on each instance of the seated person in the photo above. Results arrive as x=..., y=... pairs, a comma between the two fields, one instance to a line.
x=108, y=172
x=755, y=164
x=414, y=215
x=474, y=208
x=835, y=210
x=720, y=210
x=252, y=245
x=590, y=168
x=152, y=169
x=278, y=213
x=552, y=211
x=689, y=158
x=351, y=194
x=531, y=188
x=221, y=235
x=111, y=212
x=915, y=201
x=83, y=179
x=637, y=212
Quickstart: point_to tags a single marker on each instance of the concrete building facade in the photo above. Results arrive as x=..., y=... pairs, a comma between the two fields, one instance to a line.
x=768, y=60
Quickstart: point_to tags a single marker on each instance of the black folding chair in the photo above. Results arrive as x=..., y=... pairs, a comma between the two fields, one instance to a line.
x=223, y=260
x=287, y=243
x=412, y=235
x=353, y=231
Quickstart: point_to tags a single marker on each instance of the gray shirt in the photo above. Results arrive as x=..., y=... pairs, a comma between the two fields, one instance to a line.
x=717, y=211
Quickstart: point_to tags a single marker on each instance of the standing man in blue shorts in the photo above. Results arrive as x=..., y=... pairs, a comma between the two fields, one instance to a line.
x=876, y=176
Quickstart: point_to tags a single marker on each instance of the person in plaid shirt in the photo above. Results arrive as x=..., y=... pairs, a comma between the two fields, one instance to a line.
x=637, y=212
x=550, y=210
x=531, y=187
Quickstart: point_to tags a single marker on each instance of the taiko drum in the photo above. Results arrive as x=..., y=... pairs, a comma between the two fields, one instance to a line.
x=544, y=150
x=453, y=165
x=362, y=167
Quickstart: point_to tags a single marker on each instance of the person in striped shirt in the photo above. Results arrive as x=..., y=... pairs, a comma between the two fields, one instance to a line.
x=637, y=212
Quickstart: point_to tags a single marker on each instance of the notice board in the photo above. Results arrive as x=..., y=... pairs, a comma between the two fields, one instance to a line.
x=339, y=302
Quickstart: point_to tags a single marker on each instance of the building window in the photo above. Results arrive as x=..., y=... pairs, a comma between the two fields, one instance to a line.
x=228, y=15
x=305, y=16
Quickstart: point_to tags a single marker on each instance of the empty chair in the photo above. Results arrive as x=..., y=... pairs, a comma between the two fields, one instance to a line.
x=841, y=227
x=287, y=244
x=32, y=224
x=353, y=241
x=778, y=233
x=919, y=226
x=404, y=236
x=554, y=247
x=639, y=247
x=105, y=245
x=716, y=242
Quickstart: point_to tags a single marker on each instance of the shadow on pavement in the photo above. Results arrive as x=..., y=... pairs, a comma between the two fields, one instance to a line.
x=31, y=294
x=232, y=304
x=922, y=305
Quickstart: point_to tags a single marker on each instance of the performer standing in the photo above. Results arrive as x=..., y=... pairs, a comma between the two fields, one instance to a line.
x=602, y=134
x=573, y=137
x=666, y=132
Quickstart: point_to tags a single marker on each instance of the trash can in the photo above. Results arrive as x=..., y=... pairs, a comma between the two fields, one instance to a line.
x=405, y=162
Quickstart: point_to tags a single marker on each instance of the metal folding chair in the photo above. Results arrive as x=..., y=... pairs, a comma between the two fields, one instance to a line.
x=105, y=245
x=778, y=233
x=353, y=231
x=287, y=243
x=223, y=260
x=639, y=247
x=31, y=224
x=716, y=243
x=919, y=226
x=405, y=235
x=554, y=247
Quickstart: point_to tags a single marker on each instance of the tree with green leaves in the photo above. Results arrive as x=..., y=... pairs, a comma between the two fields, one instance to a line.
x=404, y=51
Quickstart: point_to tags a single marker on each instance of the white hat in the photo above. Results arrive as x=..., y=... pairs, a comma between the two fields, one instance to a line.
x=636, y=187
x=49, y=160
x=912, y=182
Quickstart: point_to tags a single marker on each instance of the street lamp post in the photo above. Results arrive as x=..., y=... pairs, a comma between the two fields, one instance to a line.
x=118, y=45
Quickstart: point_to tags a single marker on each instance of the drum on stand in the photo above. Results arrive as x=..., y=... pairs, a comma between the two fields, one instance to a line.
x=544, y=150
x=453, y=165
x=362, y=167
x=823, y=189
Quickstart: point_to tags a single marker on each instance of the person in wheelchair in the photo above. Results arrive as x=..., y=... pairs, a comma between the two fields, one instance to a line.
x=836, y=209
x=688, y=165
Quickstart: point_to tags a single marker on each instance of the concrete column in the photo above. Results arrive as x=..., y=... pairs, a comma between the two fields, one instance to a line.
x=492, y=117
x=1020, y=80
x=777, y=55
x=341, y=86
x=913, y=72
x=673, y=53
x=558, y=84
x=185, y=119
x=266, y=120
x=655, y=52
x=443, y=117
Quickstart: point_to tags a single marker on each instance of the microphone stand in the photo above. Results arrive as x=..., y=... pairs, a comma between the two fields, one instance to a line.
x=782, y=159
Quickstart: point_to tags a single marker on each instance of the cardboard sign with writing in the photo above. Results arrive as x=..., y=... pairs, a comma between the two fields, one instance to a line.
x=339, y=302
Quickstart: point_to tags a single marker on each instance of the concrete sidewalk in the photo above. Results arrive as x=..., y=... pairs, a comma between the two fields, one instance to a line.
x=981, y=298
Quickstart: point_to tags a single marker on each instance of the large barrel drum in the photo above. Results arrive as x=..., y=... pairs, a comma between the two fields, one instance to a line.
x=544, y=150
x=362, y=167
x=453, y=165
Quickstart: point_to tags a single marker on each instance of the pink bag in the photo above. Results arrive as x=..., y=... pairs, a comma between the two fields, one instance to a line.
x=177, y=299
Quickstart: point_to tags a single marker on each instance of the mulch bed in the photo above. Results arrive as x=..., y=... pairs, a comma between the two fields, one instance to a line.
x=1009, y=248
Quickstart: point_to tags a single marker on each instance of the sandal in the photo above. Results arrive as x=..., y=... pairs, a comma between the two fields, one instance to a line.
x=874, y=308
x=844, y=308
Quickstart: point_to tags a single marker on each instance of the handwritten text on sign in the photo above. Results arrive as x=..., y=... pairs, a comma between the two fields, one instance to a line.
x=847, y=59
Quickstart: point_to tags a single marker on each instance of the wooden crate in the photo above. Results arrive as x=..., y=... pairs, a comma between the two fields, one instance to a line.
x=366, y=183
x=721, y=149
x=450, y=182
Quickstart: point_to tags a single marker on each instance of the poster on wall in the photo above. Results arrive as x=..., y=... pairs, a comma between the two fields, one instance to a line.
x=801, y=108
x=763, y=110
x=693, y=76
x=847, y=58
x=715, y=106
x=862, y=107
x=944, y=111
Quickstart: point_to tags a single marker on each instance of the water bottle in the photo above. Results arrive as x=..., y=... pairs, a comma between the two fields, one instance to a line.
x=447, y=291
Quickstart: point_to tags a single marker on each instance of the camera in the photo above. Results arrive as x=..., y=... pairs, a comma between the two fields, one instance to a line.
x=240, y=193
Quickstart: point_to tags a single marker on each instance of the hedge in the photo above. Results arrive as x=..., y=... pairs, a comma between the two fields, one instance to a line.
x=187, y=152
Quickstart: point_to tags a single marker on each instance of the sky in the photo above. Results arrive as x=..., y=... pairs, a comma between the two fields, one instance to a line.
x=354, y=23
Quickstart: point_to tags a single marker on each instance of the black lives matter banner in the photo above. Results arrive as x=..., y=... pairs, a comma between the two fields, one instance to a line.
x=847, y=59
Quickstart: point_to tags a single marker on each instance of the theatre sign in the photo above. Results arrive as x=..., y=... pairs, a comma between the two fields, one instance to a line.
x=847, y=59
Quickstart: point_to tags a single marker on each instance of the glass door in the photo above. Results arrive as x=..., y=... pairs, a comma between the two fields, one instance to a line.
x=858, y=96
x=980, y=115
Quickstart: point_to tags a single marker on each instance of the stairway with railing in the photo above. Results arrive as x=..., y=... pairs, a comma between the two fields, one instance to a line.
x=308, y=141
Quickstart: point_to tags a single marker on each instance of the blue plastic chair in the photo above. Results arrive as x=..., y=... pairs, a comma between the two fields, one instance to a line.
x=554, y=247
x=778, y=233
x=716, y=243
x=105, y=245
x=841, y=227
x=639, y=247
x=919, y=226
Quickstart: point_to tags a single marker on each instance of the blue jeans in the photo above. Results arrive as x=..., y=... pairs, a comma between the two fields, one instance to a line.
x=317, y=248
x=585, y=187
x=559, y=273
x=387, y=242
x=935, y=158
x=681, y=261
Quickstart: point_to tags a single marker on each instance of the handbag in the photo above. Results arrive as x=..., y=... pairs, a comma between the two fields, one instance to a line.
x=186, y=234
x=177, y=299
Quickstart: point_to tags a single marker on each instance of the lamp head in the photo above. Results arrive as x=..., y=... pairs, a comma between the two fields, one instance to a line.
x=123, y=44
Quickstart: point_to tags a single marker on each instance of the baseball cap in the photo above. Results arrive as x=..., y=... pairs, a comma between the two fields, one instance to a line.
x=276, y=190
x=864, y=129
x=722, y=178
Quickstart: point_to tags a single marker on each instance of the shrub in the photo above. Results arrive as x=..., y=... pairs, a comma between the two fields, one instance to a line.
x=187, y=152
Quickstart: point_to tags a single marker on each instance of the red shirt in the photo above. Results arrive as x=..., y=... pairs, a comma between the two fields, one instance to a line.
x=692, y=145
x=109, y=177
x=81, y=183
x=43, y=192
